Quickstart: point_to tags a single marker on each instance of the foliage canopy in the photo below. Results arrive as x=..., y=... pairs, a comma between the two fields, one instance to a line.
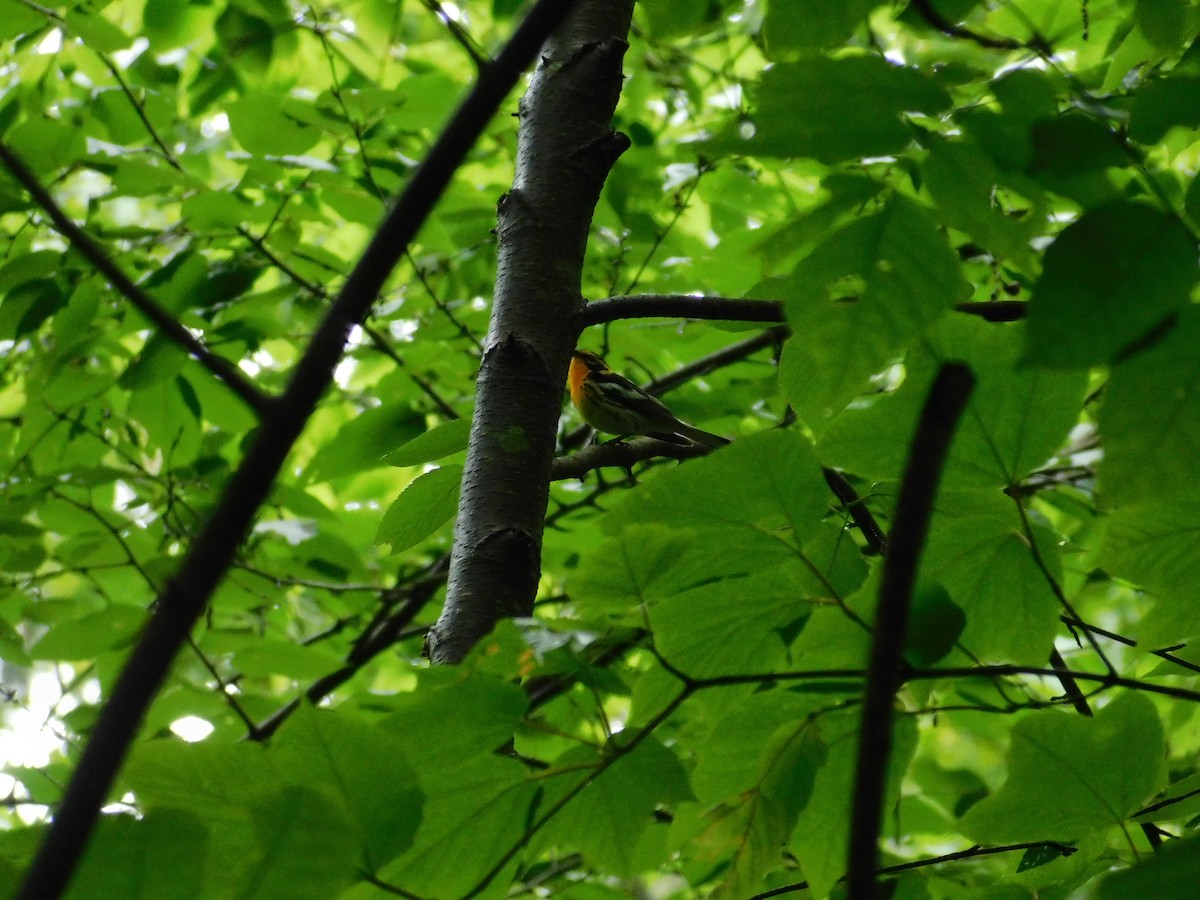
x=1010, y=185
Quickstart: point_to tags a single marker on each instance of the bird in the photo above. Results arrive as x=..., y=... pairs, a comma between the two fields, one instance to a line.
x=611, y=403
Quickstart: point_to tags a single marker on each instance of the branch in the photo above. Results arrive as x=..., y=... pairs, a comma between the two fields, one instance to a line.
x=930, y=446
x=227, y=372
x=616, y=751
x=969, y=853
x=544, y=688
x=1162, y=652
x=373, y=642
x=620, y=453
x=679, y=306
x=940, y=23
x=733, y=309
x=1106, y=679
x=856, y=506
x=187, y=593
x=996, y=310
x=460, y=34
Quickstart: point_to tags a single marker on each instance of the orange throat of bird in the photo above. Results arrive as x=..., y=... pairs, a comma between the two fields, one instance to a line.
x=575, y=378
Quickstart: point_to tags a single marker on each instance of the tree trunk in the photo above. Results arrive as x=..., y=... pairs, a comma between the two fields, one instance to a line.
x=566, y=148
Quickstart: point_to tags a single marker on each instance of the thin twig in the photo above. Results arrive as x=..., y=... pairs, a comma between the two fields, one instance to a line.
x=1037, y=44
x=970, y=853
x=460, y=35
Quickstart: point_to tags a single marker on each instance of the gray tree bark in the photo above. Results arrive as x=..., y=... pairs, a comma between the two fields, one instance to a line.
x=566, y=148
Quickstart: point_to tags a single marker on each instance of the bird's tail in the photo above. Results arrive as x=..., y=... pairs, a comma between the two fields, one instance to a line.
x=700, y=436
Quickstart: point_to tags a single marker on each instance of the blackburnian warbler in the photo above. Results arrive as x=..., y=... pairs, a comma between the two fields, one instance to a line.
x=613, y=404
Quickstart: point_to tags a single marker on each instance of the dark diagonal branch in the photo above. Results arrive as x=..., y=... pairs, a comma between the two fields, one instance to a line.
x=371, y=644
x=222, y=368
x=856, y=506
x=460, y=35
x=188, y=591
x=945, y=26
x=914, y=508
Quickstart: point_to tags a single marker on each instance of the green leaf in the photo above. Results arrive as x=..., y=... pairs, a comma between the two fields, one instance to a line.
x=978, y=551
x=1074, y=144
x=91, y=635
x=35, y=266
x=766, y=599
x=1109, y=280
x=855, y=303
x=770, y=480
x=962, y=178
x=12, y=646
x=214, y=782
x=1163, y=22
x=1151, y=420
x=1180, y=801
x=1068, y=776
x=759, y=820
x=608, y=821
x=46, y=145
x=790, y=27
x=262, y=124
x=1167, y=874
x=440, y=441
x=671, y=18
x=96, y=31
x=360, y=444
x=1016, y=420
x=16, y=19
x=274, y=657
x=644, y=562
x=820, y=840
x=365, y=768
x=159, y=856
x=455, y=715
x=739, y=754
x=935, y=624
x=218, y=211
x=1153, y=545
x=248, y=39
x=423, y=507
x=1162, y=105
x=814, y=108
x=305, y=844
x=160, y=360
x=476, y=810
x=26, y=307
